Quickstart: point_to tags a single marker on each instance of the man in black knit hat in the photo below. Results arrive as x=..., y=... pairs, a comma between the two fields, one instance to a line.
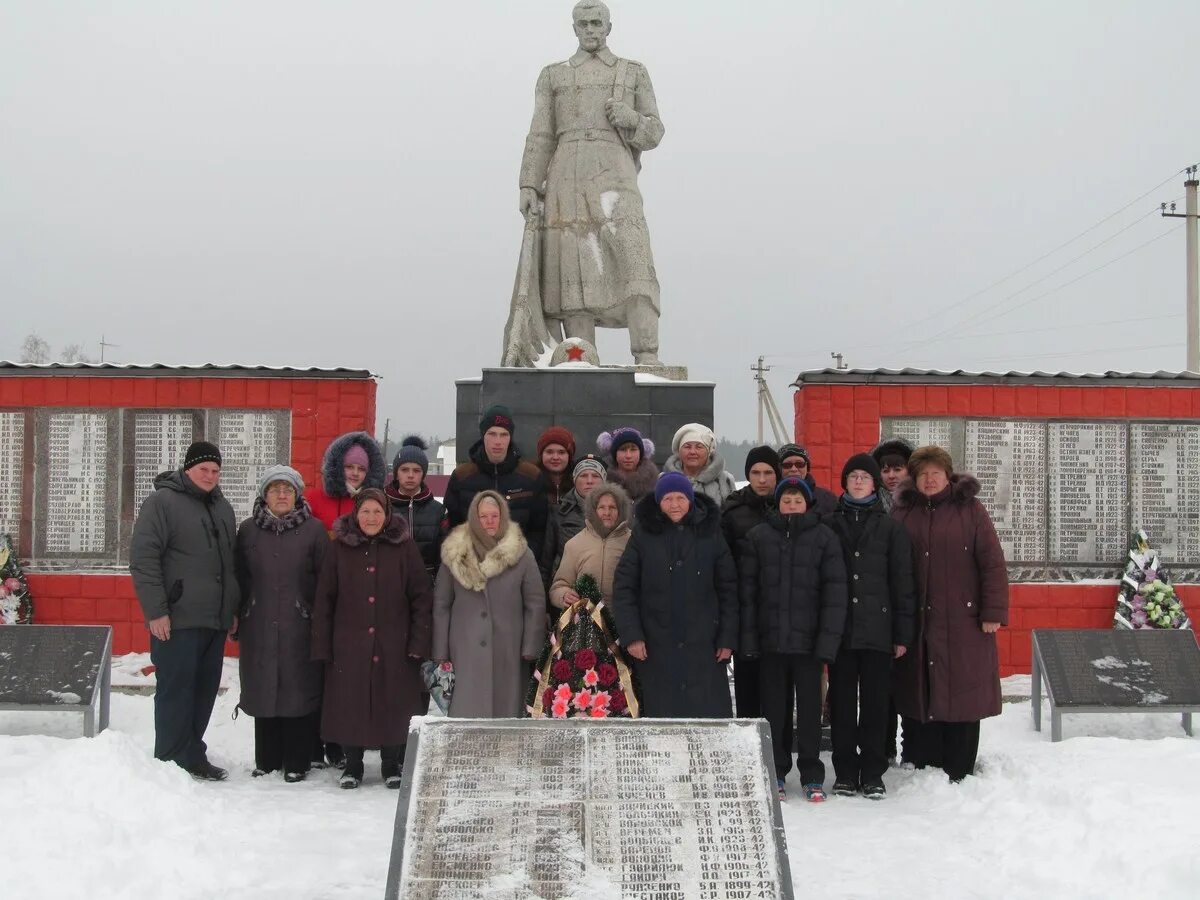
x=181, y=560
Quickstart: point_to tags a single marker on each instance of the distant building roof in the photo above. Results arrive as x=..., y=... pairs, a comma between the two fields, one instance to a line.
x=935, y=376
x=164, y=369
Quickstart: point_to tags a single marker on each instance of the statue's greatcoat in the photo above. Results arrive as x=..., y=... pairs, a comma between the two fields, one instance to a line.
x=595, y=251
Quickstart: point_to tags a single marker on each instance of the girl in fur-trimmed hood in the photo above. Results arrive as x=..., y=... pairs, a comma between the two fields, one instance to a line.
x=597, y=549
x=489, y=611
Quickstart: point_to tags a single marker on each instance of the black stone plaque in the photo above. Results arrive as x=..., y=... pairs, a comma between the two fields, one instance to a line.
x=57, y=667
x=1120, y=668
x=542, y=808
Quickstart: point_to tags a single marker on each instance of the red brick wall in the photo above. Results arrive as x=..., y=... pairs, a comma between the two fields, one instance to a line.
x=833, y=422
x=322, y=408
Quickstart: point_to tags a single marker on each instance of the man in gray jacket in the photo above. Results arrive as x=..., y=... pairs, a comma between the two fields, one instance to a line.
x=182, y=564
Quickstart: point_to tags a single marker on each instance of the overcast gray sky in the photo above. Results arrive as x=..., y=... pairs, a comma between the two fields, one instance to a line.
x=335, y=183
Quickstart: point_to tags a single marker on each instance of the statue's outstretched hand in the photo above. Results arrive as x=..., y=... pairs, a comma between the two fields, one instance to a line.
x=621, y=115
x=529, y=201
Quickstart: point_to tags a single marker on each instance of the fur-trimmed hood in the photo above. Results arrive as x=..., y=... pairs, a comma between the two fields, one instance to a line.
x=637, y=483
x=333, y=479
x=704, y=515
x=961, y=490
x=458, y=555
x=592, y=520
x=892, y=446
x=346, y=531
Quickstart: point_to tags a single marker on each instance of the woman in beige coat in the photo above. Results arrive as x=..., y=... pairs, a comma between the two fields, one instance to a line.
x=597, y=548
x=489, y=611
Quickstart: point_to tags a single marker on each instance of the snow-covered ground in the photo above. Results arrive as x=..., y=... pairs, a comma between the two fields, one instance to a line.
x=1110, y=811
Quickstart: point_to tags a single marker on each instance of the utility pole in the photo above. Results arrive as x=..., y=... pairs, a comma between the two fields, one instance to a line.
x=104, y=345
x=1190, y=216
x=767, y=403
x=387, y=424
x=838, y=361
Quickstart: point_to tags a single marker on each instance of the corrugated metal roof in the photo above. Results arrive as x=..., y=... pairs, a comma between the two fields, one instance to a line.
x=935, y=376
x=214, y=369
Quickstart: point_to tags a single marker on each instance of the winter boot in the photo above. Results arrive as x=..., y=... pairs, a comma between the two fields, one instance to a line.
x=874, y=790
x=391, y=769
x=206, y=771
x=293, y=777
x=844, y=787
x=352, y=775
x=814, y=793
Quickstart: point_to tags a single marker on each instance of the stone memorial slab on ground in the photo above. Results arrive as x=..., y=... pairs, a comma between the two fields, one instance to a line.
x=57, y=668
x=1095, y=671
x=525, y=808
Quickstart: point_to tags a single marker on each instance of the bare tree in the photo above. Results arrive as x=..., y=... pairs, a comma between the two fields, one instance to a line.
x=35, y=349
x=73, y=353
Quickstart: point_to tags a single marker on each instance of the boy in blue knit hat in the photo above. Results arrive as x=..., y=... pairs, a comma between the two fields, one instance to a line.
x=792, y=587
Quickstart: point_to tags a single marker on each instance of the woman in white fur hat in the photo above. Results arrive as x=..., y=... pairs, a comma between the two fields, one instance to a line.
x=694, y=453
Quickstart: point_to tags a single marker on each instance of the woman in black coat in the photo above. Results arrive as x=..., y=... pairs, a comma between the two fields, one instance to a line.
x=278, y=556
x=880, y=627
x=675, y=601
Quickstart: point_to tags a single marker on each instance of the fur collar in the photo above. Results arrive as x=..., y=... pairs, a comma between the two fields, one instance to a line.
x=333, y=478
x=961, y=490
x=346, y=531
x=639, y=482
x=712, y=471
x=267, y=521
x=458, y=555
x=704, y=516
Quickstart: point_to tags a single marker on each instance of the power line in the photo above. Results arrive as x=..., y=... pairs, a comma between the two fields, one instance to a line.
x=1071, y=353
x=938, y=312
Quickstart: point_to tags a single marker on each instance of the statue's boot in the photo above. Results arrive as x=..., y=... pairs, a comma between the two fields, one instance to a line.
x=643, y=332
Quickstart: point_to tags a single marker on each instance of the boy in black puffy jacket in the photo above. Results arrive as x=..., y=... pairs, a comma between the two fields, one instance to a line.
x=879, y=628
x=793, y=597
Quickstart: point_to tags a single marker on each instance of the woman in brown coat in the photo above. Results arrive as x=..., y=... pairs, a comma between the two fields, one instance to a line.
x=490, y=611
x=371, y=626
x=951, y=679
x=596, y=549
x=278, y=555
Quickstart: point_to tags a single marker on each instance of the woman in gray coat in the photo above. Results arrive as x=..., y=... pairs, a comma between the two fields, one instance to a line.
x=489, y=611
x=278, y=555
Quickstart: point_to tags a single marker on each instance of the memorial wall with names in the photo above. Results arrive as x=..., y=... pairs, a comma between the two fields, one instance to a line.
x=93, y=468
x=1065, y=495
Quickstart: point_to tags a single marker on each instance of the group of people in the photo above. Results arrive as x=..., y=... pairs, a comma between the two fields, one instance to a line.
x=892, y=591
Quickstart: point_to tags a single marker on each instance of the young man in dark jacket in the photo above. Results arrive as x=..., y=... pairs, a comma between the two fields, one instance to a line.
x=182, y=562
x=413, y=501
x=879, y=627
x=496, y=464
x=792, y=586
x=741, y=511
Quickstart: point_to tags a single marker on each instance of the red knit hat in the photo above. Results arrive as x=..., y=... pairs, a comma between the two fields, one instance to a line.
x=556, y=434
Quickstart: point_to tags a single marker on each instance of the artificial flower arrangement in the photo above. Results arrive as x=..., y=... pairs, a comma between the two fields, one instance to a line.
x=16, y=605
x=1146, y=598
x=581, y=672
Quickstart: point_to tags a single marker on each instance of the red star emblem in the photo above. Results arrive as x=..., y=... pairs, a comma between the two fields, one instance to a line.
x=574, y=353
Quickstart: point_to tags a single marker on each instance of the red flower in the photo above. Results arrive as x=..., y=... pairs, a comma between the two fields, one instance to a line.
x=559, y=709
x=599, y=713
x=584, y=660
x=547, y=698
x=583, y=700
x=590, y=678
x=601, y=700
x=563, y=692
x=617, y=702
x=561, y=670
x=607, y=673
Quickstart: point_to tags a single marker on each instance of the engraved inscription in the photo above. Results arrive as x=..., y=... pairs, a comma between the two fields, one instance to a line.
x=1089, y=482
x=12, y=461
x=76, y=483
x=1165, y=496
x=1009, y=459
x=160, y=441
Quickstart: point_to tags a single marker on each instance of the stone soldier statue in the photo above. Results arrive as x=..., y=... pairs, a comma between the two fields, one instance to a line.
x=587, y=261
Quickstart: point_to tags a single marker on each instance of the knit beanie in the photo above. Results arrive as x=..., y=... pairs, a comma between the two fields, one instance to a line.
x=412, y=450
x=589, y=463
x=200, y=452
x=694, y=431
x=356, y=456
x=609, y=442
x=673, y=483
x=763, y=454
x=280, y=473
x=866, y=462
x=556, y=434
x=497, y=416
x=791, y=484
x=794, y=450
x=924, y=456
x=892, y=452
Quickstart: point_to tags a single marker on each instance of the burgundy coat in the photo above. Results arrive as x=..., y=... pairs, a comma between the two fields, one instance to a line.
x=952, y=674
x=373, y=608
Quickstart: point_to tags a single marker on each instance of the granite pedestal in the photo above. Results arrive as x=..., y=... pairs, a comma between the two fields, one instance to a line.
x=584, y=400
